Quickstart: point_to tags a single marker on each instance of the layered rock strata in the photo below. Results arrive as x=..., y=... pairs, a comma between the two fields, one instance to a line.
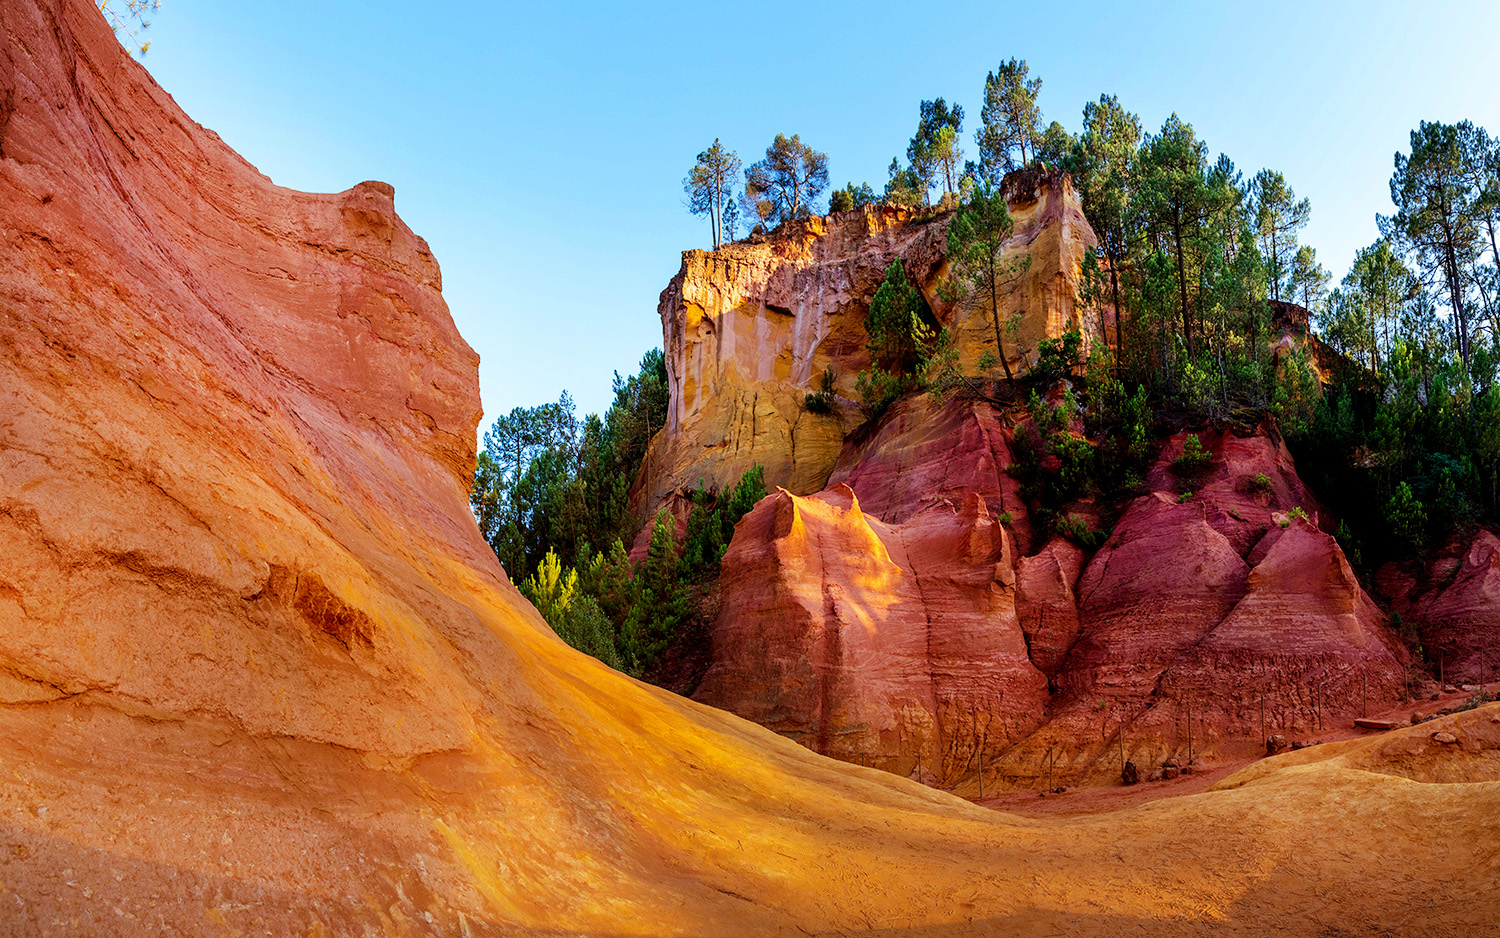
x=1453, y=601
x=1215, y=614
x=750, y=329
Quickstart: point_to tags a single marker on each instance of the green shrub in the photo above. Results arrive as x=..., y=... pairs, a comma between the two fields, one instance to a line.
x=575, y=616
x=1194, y=458
x=878, y=390
x=1346, y=540
x=585, y=627
x=822, y=400
x=551, y=588
x=1185, y=497
x=1077, y=530
x=1076, y=469
x=1406, y=518
x=710, y=524
x=661, y=599
x=851, y=197
x=1260, y=484
x=1057, y=358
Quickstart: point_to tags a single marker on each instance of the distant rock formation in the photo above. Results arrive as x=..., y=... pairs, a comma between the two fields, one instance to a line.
x=893, y=616
x=750, y=328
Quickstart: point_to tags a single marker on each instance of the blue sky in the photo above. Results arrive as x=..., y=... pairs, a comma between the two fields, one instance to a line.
x=540, y=148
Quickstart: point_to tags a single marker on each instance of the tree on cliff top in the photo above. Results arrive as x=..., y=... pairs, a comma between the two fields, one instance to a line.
x=710, y=187
x=1177, y=201
x=1308, y=281
x=934, y=150
x=1104, y=167
x=980, y=271
x=1278, y=216
x=128, y=20
x=784, y=184
x=1009, y=120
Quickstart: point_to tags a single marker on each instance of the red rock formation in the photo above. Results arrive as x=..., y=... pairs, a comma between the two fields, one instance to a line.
x=1454, y=601
x=261, y=675
x=872, y=642
x=1200, y=608
x=921, y=455
x=1047, y=602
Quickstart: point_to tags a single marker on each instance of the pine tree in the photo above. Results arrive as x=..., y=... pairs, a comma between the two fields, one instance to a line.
x=934, y=150
x=1104, y=169
x=1279, y=215
x=1008, y=130
x=710, y=187
x=784, y=185
x=976, y=245
x=895, y=323
x=1308, y=279
x=1176, y=200
x=1434, y=222
x=660, y=599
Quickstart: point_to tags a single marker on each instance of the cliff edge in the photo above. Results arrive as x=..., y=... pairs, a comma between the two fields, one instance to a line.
x=749, y=329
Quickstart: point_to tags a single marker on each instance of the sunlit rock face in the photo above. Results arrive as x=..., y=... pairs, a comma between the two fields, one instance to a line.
x=892, y=617
x=750, y=329
x=878, y=643
x=260, y=675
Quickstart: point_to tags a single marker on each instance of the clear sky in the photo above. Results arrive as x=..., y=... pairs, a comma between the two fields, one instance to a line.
x=540, y=147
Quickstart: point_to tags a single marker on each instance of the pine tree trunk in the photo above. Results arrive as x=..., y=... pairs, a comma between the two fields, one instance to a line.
x=1114, y=283
x=1187, y=327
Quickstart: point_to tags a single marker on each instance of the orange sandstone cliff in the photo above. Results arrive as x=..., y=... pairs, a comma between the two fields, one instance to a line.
x=894, y=620
x=260, y=675
x=749, y=329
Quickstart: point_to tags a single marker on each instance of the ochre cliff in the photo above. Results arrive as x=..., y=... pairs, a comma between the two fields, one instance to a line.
x=893, y=617
x=262, y=676
x=749, y=329
x=880, y=644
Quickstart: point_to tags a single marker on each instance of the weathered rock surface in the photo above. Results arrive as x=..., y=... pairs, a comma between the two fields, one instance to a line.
x=261, y=674
x=1454, y=601
x=922, y=455
x=1196, y=616
x=877, y=643
x=1047, y=602
x=749, y=329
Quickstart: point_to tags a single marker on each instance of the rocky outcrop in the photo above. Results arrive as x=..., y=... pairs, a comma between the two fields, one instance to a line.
x=921, y=455
x=260, y=675
x=749, y=330
x=1215, y=613
x=1454, y=602
x=894, y=645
